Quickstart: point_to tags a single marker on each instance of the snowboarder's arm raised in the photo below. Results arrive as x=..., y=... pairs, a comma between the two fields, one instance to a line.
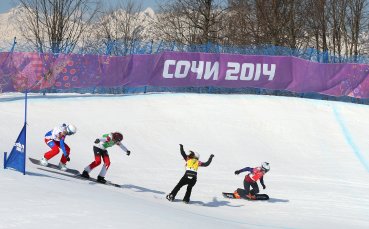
x=208, y=162
x=183, y=153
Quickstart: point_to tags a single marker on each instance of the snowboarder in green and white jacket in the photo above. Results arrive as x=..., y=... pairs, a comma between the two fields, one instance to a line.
x=100, y=151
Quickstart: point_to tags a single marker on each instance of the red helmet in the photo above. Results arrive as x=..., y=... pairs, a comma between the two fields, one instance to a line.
x=117, y=137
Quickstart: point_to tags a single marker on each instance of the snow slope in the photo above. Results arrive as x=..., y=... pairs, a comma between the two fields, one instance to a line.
x=318, y=152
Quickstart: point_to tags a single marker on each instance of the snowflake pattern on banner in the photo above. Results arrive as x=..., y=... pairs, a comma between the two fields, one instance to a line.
x=6, y=71
x=67, y=75
x=354, y=85
x=74, y=66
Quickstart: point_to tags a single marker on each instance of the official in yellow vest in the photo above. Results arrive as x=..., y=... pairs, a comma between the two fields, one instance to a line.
x=190, y=176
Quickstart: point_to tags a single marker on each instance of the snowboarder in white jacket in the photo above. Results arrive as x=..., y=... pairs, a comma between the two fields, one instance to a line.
x=55, y=139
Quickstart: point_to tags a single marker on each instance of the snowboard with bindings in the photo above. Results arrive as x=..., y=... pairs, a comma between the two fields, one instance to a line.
x=242, y=193
x=53, y=166
x=109, y=183
x=69, y=172
x=79, y=177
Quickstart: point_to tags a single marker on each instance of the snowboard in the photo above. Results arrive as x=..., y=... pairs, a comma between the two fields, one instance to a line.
x=242, y=194
x=109, y=183
x=53, y=166
x=69, y=172
x=79, y=177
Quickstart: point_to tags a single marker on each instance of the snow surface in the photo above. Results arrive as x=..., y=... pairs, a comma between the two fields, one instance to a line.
x=318, y=152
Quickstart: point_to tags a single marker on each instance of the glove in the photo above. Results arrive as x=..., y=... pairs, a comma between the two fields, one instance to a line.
x=264, y=187
x=128, y=152
x=237, y=172
x=211, y=156
x=97, y=140
x=181, y=145
x=68, y=158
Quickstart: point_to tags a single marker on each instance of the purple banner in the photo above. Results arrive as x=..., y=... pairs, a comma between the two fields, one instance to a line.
x=33, y=71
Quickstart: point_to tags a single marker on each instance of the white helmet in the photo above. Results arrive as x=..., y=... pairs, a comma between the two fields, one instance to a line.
x=71, y=129
x=265, y=166
x=197, y=155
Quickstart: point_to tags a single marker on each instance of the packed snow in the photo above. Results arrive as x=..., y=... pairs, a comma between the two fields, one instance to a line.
x=318, y=152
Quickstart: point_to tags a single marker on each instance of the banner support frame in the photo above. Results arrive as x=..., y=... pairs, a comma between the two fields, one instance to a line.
x=25, y=126
x=5, y=153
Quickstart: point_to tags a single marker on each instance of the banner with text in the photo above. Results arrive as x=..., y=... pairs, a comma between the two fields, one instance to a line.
x=34, y=71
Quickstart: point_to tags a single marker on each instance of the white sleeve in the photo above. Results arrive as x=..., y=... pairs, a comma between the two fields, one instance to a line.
x=123, y=147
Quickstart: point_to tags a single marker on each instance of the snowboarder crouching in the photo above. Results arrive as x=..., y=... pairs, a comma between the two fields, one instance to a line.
x=251, y=179
x=190, y=176
x=55, y=139
x=101, y=144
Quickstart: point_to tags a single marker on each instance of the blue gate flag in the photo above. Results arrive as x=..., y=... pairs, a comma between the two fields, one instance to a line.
x=17, y=157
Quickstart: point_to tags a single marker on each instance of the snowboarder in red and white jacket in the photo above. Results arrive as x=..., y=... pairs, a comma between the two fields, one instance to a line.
x=100, y=151
x=251, y=179
x=55, y=139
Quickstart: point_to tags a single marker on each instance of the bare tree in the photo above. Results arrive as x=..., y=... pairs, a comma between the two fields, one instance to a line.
x=279, y=21
x=242, y=27
x=337, y=26
x=118, y=28
x=356, y=18
x=56, y=24
x=337, y=15
x=317, y=20
x=191, y=21
x=274, y=22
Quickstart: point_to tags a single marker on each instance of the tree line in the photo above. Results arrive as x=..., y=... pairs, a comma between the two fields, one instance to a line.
x=339, y=27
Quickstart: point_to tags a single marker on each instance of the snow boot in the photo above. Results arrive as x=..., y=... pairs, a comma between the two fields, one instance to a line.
x=236, y=195
x=44, y=162
x=251, y=196
x=101, y=179
x=170, y=197
x=62, y=167
x=85, y=174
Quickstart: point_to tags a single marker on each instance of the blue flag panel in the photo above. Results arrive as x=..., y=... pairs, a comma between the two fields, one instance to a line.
x=16, y=159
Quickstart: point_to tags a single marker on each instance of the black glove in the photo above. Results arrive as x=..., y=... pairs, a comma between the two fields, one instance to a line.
x=237, y=172
x=68, y=158
x=97, y=140
x=128, y=152
x=181, y=145
x=264, y=187
x=211, y=156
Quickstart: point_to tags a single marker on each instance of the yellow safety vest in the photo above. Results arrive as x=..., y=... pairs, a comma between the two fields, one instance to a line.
x=192, y=164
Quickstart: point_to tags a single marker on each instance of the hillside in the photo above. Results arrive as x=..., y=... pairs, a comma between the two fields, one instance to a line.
x=318, y=152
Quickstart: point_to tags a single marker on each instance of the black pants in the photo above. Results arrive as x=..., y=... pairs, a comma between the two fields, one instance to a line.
x=190, y=181
x=254, y=185
x=98, y=151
